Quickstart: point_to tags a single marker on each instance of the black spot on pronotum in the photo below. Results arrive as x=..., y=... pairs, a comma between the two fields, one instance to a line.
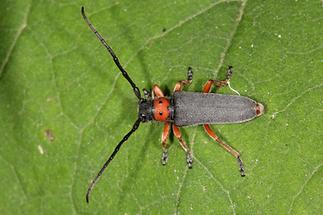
x=160, y=113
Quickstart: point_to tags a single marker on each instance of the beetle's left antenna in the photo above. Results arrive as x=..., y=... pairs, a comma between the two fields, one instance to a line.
x=115, y=58
x=124, y=139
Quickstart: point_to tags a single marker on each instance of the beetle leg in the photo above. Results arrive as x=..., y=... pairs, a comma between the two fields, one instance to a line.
x=207, y=128
x=157, y=91
x=165, y=135
x=218, y=83
x=189, y=156
x=180, y=84
x=228, y=148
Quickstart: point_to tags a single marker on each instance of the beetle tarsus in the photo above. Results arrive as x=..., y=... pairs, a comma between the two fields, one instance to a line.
x=164, y=157
x=180, y=84
x=189, y=74
x=189, y=160
x=241, y=167
x=229, y=73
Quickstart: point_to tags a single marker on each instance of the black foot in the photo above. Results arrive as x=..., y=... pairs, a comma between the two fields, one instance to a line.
x=164, y=157
x=189, y=160
x=190, y=74
x=229, y=72
x=241, y=168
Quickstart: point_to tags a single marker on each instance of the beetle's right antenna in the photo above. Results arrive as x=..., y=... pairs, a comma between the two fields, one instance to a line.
x=124, y=139
x=115, y=58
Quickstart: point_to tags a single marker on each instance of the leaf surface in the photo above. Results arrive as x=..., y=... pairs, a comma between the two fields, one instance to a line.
x=64, y=107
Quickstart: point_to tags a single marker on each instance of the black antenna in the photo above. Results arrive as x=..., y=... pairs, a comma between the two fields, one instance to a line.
x=115, y=58
x=124, y=139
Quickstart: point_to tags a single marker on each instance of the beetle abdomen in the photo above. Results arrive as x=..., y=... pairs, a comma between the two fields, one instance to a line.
x=193, y=108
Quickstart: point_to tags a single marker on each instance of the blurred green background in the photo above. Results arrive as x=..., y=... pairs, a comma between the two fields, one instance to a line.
x=64, y=106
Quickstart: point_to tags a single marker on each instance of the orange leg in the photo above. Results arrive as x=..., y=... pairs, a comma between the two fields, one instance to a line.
x=218, y=83
x=180, y=84
x=165, y=135
x=207, y=86
x=228, y=148
x=210, y=132
x=179, y=87
x=189, y=156
x=157, y=91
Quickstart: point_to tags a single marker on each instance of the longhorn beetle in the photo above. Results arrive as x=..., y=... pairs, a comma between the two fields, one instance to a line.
x=184, y=109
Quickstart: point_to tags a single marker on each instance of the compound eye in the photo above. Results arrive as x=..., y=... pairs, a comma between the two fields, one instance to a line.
x=160, y=113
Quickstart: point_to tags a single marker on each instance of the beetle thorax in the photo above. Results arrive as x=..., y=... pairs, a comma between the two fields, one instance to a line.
x=159, y=109
x=162, y=110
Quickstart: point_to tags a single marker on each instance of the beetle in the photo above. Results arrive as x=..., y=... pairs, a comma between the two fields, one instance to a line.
x=183, y=109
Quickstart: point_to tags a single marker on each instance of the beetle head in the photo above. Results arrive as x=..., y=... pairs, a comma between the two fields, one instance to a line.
x=145, y=110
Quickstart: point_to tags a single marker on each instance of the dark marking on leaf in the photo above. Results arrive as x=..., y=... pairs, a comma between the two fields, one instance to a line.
x=49, y=135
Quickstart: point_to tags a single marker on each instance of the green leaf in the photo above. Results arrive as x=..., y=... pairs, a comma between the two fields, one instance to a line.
x=64, y=106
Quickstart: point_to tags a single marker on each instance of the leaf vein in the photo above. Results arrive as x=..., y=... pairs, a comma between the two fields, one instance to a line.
x=227, y=47
x=179, y=24
x=15, y=41
x=315, y=170
x=293, y=100
x=13, y=168
x=227, y=192
x=180, y=188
